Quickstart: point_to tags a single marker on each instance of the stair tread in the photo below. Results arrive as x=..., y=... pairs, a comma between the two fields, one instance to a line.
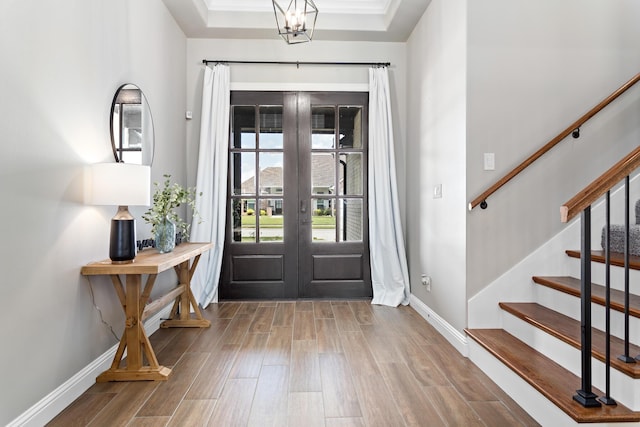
x=616, y=258
x=571, y=285
x=568, y=330
x=550, y=379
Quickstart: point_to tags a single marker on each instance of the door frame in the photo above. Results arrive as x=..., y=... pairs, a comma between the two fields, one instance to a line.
x=286, y=278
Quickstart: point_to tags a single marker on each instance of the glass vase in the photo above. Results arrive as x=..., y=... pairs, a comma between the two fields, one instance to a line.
x=165, y=236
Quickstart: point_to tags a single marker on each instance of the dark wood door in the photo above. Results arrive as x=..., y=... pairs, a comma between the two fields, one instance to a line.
x=297, y=223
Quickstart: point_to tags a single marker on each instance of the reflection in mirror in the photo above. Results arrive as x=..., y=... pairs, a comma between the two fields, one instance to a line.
x=132, y=136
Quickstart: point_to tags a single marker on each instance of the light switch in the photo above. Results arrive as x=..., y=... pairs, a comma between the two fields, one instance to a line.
x=489, y=161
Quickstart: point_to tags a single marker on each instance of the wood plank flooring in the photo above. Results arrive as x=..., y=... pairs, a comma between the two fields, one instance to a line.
x=304, y=363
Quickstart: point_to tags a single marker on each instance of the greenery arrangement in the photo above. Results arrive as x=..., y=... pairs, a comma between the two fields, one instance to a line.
x=165, y=200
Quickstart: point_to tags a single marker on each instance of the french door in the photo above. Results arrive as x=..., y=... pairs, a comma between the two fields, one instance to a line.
x=297, y=224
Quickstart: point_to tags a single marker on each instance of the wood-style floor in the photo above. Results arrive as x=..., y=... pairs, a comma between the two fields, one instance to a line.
x=304, y=363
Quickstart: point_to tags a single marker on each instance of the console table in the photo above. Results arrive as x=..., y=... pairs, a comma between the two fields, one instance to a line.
x=133, y=299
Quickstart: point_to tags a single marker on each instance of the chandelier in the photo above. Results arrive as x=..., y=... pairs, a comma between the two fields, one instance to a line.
x=297, y=22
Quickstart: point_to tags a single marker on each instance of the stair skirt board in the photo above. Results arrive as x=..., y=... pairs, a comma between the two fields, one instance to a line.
x=624, y=389
x=539, y=407
x=570, y=306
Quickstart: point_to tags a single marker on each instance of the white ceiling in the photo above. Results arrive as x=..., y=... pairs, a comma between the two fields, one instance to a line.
x=349, y=20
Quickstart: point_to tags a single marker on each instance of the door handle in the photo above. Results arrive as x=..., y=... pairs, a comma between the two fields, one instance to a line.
x=304, y=219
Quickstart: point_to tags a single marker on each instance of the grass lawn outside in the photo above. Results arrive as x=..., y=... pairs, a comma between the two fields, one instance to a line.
x=249, y=221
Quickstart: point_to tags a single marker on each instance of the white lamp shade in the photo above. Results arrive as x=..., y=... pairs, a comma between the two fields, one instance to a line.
x=118, y=184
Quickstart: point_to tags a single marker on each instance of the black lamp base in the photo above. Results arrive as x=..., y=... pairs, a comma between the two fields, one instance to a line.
x=122, y=242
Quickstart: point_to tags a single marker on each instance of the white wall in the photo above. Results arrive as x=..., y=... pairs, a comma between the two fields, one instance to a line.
x=505, y=77
x=534, y=67
x=286, y=77
x=61, y=64
x=437, y=73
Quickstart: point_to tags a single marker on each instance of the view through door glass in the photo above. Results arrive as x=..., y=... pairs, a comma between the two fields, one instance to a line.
x=297, y=197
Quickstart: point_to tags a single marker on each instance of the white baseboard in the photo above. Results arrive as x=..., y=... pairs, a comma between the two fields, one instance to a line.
x=56, y=401
x=455, y=337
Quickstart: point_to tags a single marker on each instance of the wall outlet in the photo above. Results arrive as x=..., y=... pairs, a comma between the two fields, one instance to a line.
x=426, y=282
x=437, y=191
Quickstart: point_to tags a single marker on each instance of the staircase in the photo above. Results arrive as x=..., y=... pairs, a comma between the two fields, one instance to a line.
x=551, y=347
x=540, y=344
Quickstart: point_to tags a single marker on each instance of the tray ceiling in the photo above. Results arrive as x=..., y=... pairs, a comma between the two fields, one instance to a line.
x=352, y=20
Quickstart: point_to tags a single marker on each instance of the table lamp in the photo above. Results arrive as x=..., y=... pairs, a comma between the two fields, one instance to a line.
x=122, y=185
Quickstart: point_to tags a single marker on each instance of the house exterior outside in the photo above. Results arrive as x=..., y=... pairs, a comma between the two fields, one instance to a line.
x=271, y=183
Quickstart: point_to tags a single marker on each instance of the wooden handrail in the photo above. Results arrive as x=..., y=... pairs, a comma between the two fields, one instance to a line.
x=600, y=185
x=549, y=145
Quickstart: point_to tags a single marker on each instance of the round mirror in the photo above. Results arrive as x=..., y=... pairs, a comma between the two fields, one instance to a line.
x=132, y=136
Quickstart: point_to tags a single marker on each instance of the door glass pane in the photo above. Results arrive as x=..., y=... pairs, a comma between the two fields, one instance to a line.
x=323, y=220
x=350, y=127
x=243, y=213
x=271, y=127
x=323, y=172
x=350, y=174
x=243, y=173
x=350, y=220
x=323, y=129
x=271, y=173
x=243, y=130
x=271, y=220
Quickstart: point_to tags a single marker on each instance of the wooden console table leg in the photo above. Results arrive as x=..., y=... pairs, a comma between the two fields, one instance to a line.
x=135, y=340
x=185, y=304
x=185, y=301
x=132, y=320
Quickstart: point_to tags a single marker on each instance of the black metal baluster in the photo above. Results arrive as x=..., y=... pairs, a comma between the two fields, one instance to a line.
x=625, y=357
x=585, y=396
x=607, y=399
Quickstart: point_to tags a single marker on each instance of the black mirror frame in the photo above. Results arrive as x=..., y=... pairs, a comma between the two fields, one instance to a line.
x=145, y=103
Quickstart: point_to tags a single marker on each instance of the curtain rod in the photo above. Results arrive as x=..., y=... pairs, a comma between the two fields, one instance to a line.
x=298, y=63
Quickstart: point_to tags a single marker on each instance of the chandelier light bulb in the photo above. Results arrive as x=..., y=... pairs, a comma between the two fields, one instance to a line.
x=295, y=21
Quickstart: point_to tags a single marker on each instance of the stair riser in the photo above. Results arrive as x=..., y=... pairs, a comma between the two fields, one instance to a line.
x=624, y=389
x=570, y=306
x=617, y=275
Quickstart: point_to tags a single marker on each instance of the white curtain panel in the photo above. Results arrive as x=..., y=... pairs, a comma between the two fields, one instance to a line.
x=389, y=273
x=212, y=182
